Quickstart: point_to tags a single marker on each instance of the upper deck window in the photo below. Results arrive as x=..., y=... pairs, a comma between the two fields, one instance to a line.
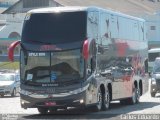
x=55, y=28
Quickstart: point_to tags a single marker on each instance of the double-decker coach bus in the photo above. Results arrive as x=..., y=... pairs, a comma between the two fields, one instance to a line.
x=80, y=56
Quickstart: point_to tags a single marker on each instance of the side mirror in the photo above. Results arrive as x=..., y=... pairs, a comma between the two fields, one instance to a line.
x=11, y=50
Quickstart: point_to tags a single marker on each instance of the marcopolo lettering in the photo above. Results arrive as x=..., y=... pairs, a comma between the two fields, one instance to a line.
x=37, y=54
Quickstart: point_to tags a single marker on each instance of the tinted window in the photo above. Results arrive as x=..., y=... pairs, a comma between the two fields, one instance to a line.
x=53, y=66
x=55, y=28
x=152, y=56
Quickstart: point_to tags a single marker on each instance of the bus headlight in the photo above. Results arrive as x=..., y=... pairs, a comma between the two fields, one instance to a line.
x=81, y=101
x=24, y=101
x=153, y=81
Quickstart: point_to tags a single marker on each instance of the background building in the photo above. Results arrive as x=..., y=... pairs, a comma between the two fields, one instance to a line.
x=11, y=19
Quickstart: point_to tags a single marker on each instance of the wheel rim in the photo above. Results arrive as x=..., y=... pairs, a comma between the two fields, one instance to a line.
x=138, y=94
x=134, y=97
x=99, y=105
x=107, y=99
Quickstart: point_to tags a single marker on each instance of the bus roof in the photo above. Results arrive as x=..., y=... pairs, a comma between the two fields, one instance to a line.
x=80, y=8
x=153, y=50
x=58, y=9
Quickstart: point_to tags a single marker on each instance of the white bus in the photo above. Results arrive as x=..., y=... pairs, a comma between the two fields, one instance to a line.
x=152, y=55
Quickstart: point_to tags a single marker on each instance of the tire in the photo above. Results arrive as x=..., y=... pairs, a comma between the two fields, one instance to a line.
x=98, y=106
x=13, y=94
x=135, y=97
x=106, y=100
x=42, y=110
x=153, y=94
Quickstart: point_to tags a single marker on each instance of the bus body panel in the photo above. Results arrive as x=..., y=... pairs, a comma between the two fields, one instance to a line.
x=119, y=48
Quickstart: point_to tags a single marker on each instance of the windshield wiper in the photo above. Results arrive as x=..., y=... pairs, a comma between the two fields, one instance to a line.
x=40, y=42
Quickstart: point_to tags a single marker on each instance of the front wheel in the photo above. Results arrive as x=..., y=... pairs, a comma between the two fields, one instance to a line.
x=135, y=96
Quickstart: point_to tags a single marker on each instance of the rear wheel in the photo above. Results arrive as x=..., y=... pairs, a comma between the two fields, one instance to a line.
x=132, y=100
x=135, y=96
x=98, y=106
x=42, y=110
x=106, y=100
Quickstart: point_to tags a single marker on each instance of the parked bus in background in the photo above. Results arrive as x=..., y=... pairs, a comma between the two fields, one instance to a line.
x=80, y=56
x=152, y=55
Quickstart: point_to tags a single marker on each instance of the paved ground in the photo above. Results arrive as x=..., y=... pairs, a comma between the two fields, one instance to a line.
x=148, y=105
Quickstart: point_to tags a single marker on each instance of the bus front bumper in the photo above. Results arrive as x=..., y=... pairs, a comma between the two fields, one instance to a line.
x=49, y=101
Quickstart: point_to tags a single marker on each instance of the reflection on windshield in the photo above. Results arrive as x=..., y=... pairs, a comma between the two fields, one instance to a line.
x=6, y=77
x=55, y=28
x=54, y=67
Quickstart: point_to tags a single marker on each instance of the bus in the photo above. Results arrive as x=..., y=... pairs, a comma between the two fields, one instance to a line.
x=153, y=53
x=80, y=57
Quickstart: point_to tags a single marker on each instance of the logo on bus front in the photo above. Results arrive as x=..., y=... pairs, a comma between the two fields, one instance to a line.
x=36, y=54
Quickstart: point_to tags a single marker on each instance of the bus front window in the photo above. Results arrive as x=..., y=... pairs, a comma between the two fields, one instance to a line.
x=53, y=67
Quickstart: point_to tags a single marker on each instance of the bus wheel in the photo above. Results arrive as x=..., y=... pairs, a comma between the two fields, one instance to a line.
x=135, y=96
x=98, y=106
x=138, y=95
x=42, y=110
x=106, y=100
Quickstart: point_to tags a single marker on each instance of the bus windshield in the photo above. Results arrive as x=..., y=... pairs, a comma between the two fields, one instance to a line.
x=48, y=67
x=55, y=28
